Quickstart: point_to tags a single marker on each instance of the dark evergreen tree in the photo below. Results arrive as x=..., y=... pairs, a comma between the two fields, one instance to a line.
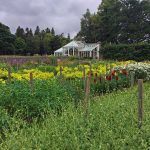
x=87, y=27
x=27, y=33
x=55, y=43
x=43, y=42
x=109, y=21
x=20, y=32
x=37, y=31
x=135, y=21
x=6, y=40
x=48, y=30
x=68, y=37
x=20, y=45
x=31, y=33
x=117, y=21
x=53, y=32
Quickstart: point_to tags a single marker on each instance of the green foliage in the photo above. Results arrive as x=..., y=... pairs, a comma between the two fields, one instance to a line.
x=111, y=123
x=101, y=86
x=20, y=33
x=6, y=40
x=4, y=120
x=86, y=27
x=46, y=68
x=20, y=45
x=18, y=98
x=117, y=21
x=138, y=70
x=137, y=52
x=26, y=43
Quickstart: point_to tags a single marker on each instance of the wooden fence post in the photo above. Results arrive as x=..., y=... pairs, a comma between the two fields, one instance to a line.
x=90, y=69
x=60, y=71
x=87, y=94
x=140, y=102
x=84, y=79
x=132, y=79
x=9, y=74
x=31, y=81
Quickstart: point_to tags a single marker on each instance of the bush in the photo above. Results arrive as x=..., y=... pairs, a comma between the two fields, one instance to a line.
x=4, y=120
x=47, y=95
x=138, y=52
x=139, y=70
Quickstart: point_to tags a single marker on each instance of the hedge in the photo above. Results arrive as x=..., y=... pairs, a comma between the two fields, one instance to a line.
x=137, y=52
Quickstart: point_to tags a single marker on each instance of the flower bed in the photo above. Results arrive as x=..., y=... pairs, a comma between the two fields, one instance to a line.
x=139, y=70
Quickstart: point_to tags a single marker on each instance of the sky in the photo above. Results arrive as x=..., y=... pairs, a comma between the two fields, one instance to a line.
x=63, y=15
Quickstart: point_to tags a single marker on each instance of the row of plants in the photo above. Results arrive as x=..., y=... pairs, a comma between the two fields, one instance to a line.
x=47, y=72
x=103, y=78
x=28, y=103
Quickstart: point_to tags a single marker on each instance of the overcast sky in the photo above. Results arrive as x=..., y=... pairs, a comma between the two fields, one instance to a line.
x=63, y=15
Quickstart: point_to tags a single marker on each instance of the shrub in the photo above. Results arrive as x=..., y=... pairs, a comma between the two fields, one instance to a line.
x=139, y=70
x=47, y=95
x=138, y=52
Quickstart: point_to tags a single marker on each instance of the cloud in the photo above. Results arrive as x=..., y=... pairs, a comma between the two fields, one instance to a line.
x=63, y=15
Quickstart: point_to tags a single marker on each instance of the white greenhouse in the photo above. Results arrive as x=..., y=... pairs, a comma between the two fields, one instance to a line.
x=79, y=49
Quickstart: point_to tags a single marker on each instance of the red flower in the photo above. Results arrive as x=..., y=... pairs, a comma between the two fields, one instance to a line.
x=113, y=73
x=108, y=78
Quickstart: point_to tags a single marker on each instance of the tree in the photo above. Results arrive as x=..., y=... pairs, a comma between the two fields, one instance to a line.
x=36, y=44
x=6, y=40
x=68, y=37
x=25, y=42
x=135, y=21
x=20, y=32
x=31, y=33
x=109, y=21
x=47, y=30
x=88, y=27
x=20, y=45
x=117, y=21
x=29, y=39
x=37, y=31
x=55, y=43
x=53, y=32
x=63, y=39
x=27, y=32
x=47, y=39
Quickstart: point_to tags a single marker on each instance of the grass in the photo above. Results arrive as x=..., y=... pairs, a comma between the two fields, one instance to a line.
x=111, y=123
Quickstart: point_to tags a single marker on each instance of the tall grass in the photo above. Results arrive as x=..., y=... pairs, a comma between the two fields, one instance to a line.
x=111, y=123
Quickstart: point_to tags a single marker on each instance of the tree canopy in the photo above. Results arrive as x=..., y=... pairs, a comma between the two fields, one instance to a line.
x=117, y=21
x=6, y=40
x=28, y=42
